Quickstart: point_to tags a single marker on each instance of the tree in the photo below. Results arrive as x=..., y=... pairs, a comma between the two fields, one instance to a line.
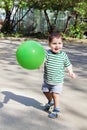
x=9, y=6
x=80, y=12
x=53, y=5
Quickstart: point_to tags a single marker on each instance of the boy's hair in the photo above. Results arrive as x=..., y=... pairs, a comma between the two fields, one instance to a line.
x=54, y=35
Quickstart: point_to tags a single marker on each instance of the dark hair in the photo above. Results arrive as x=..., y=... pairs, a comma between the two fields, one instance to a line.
x=54, y=35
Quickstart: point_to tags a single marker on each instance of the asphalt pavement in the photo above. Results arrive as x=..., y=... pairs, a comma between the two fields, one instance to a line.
x=22, y=101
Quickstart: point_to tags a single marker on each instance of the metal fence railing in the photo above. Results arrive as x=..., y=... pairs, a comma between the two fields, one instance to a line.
x=35, y=21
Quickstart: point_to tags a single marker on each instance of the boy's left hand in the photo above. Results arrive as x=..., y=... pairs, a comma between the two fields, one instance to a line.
x=72, y=75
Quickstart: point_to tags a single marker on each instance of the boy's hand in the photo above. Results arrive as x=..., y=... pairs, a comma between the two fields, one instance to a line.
x=72, y=75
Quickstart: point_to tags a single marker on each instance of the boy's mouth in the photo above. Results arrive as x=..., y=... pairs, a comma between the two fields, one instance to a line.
x=56, y=49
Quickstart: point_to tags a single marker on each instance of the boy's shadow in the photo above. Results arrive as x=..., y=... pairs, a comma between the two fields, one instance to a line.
x=27, y=101
x=1, y=104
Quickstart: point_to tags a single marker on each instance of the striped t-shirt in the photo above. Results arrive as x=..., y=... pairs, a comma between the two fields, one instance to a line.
x=54, y=67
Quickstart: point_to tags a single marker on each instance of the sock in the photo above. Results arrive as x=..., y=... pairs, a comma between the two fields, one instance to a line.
x=56, y=109
x=51, y=102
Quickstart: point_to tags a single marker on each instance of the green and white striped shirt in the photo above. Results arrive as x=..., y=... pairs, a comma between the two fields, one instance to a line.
x=54, y=67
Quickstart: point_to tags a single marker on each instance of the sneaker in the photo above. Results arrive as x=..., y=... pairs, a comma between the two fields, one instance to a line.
x=48, y=105
x=53, y=115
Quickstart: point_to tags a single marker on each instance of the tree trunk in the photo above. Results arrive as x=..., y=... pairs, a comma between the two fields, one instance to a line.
x=50, y=27
x=67, y=24
x=7, y=25
x=76, y=19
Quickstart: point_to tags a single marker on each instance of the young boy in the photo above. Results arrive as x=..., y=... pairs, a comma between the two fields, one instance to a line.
x=54, y=67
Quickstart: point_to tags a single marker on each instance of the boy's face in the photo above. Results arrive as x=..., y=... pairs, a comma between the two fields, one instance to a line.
x=56, y=45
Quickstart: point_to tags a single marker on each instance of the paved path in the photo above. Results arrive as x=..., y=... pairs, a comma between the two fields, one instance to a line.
x=21, y=98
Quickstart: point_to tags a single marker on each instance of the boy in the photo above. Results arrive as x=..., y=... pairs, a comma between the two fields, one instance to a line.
x=54, y=67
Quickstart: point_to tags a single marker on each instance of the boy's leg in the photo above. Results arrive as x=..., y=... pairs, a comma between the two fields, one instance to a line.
x=56, y=110
x=56, y=98
x=50, y=100
x=45, y=89
x=48, y=95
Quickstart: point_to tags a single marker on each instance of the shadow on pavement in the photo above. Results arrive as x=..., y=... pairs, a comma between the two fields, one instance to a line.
x=27, y=101
x=1, y=104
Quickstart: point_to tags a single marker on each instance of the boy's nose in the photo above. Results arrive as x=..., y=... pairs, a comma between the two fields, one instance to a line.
x=57, y=44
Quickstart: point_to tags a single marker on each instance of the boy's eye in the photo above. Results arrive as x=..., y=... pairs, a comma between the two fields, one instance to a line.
x=54, y=43
x=60, y=43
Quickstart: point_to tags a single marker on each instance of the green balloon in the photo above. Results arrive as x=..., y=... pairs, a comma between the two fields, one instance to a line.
x=30, y=55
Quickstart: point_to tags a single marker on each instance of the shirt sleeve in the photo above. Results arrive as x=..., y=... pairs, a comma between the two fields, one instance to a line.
x=67, y=61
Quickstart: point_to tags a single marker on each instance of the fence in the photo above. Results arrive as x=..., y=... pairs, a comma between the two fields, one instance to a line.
x=35, y=21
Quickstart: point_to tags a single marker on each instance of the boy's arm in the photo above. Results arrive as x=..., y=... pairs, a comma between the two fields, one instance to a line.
x=70, y=71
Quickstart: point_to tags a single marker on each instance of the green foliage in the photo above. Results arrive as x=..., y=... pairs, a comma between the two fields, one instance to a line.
x=11, y=35
x=81, y=9
x=77, y=31
x=6, y=4
x=78, y=6
x=16, y=35
x=1, y=35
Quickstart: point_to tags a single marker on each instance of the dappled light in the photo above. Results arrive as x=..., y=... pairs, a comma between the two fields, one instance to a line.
x=21, y=98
